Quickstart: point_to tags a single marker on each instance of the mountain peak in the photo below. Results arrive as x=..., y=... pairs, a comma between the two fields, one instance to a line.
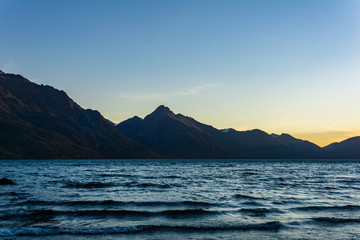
x=25, y=106
x=163, y=110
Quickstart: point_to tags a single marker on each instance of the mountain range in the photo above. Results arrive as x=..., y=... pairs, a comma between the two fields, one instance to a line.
x=41, y=122
x=38, y=121
x=178, y=136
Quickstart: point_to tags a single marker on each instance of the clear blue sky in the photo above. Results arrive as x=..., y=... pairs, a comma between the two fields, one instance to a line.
x=282, y=66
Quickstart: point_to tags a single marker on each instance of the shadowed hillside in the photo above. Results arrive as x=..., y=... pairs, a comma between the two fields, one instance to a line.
x=38, y=121
x=349, y=148
x=178, y=136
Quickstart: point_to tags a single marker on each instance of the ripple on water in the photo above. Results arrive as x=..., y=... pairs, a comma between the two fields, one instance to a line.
x=39, y=231
x=292, y=199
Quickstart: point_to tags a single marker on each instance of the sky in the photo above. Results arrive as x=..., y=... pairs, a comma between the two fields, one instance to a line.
x=285, y=66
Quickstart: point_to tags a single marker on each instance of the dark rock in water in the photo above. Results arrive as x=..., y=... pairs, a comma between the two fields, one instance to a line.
x=5, y=181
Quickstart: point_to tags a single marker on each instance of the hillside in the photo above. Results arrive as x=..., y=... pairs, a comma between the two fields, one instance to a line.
x=39, y=121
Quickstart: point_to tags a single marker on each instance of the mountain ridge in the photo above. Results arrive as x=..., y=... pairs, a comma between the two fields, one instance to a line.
x=40, y=121
x=197, y=140
x=153, y=131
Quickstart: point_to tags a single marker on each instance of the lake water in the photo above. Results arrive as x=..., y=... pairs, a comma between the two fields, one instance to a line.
x=180, y=199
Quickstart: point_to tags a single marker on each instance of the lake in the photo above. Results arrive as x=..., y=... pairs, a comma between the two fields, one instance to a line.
x=180, y=199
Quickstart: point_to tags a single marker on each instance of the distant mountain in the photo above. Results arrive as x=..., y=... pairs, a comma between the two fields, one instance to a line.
x=178, y=136
x=349, y=148
x=39, y=121
x=174, y=136
x=258, y=144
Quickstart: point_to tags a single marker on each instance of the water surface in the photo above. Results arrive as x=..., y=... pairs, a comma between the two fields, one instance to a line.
x=180, y=199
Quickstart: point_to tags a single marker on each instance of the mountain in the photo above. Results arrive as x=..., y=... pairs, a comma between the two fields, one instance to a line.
x=349, y=148
x=174, y=135
x=39, y=121
x=258, y=144
x=178, y=136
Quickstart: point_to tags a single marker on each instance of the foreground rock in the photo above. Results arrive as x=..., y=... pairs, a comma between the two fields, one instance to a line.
x=5, y=181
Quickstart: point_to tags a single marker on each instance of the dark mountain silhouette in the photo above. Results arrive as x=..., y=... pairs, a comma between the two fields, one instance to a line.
x=178, y=136
x=38, y=121
x=258, y=144
x=174, y=136
x=349, y=148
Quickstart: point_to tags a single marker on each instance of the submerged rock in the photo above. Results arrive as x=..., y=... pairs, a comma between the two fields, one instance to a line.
x=5, y=181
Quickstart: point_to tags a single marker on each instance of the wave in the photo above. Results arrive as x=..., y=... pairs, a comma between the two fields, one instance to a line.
x=113, y=203
x=11, y=213
x=353, y=180
x=139, y=176
x=287, y=201
x=131, y=183
x=150, y=185
x=249, y=173
x=172, y=177
x=88, y=185
x=185, y=213
x=333, y=220
x=259, y=211
x=8, y=194
x=36, y=231
x=164, y=177
x=329, y=208
x=14, y=194
x=252, y=203
x=242, y=196
x=118, y=175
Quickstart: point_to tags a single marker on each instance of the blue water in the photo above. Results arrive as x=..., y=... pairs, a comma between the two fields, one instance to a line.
x=180, y=199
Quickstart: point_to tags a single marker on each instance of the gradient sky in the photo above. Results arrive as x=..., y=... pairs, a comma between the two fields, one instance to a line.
x=281, y=66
